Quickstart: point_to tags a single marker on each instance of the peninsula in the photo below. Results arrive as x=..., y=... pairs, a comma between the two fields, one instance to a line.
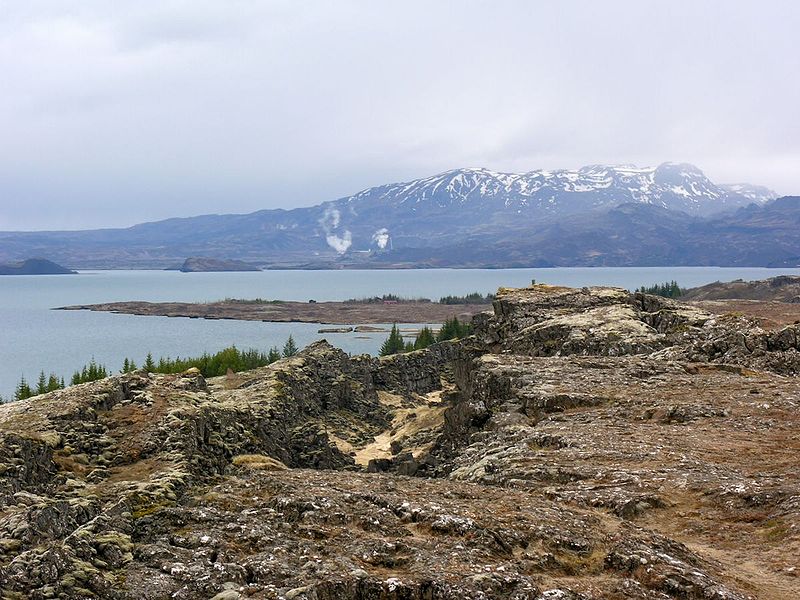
x=340, y=313
x=201, y=264
x=34, y=266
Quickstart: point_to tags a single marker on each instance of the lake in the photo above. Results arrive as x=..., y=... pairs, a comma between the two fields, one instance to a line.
x=34, y=337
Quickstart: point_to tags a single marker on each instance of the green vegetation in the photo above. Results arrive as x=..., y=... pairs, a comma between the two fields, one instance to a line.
x=45, y=383
x=669, y=289
x=424, y=339
x=289, y=348
x=473, y=298
x=210, y=365
x=251, y=301
x=23, y=390
x=90, y=372
x=214, y=365
x=128, y=366
x=392, y=298
x=394, y=343
x=451, y=329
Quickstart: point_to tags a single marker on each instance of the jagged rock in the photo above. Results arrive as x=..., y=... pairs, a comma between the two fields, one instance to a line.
x=583, y=444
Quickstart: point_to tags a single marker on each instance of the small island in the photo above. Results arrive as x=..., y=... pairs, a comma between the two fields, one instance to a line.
x=201, y=264
x=35, y=266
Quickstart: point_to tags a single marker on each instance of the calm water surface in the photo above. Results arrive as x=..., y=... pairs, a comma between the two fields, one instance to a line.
x=34, y=337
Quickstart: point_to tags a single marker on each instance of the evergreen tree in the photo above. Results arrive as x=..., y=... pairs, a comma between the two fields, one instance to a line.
x=289, y=348
x=669, y=289
x=424, y=339
x=90, y=372
x=394, y=343
x=23, y=390
x=53, y=383
x=41, y=384
x=453, y=329
x=274, y=354
x=149, y=364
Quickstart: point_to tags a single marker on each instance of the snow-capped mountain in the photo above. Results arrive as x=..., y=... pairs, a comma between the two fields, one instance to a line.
x=468, y=217
x=673, y=186
x=480, y=201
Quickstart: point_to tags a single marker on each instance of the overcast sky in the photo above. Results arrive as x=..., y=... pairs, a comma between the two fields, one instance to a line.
x=114, y=113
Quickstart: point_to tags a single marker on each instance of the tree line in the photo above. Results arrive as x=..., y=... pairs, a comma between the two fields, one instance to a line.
x=450, y=330
x=473, y=298
x=210, y=365
x=668, y=289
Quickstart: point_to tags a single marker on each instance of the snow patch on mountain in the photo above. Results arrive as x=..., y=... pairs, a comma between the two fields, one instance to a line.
x=676, y=186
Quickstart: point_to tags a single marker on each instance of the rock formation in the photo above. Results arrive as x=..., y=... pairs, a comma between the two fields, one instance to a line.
x=582, y=444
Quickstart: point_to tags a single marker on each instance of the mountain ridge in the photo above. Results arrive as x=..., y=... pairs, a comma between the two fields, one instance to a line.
x=383, y=225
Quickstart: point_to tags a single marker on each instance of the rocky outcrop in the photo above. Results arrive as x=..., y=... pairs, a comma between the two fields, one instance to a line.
x=583, y=444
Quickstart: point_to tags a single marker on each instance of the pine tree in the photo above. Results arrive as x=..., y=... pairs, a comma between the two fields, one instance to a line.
x=394, y=343
x=53, y=383
x=274, y=354
x=289, y=348
x=424, y=338
x=41, y=384
x=453, y=329
x=23, y=390
x=149, y=364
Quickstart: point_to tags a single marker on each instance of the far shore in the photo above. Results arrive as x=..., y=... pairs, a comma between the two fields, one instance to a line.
x=333, y=313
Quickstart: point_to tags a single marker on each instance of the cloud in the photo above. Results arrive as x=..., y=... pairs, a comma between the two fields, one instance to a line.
x=138, y=112
x=381, y=237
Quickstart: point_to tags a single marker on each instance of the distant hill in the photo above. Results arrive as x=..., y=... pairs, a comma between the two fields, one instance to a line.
x=785, y=288
x=34, y=266
x=200, y=264
x=598, y=215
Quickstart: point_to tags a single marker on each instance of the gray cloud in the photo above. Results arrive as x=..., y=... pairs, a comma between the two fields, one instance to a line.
x=116, y=113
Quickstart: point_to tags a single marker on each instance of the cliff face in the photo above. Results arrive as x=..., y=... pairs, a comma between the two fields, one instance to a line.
x=584, y=444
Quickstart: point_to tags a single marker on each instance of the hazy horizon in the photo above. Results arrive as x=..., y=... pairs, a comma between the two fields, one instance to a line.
x=117, y=114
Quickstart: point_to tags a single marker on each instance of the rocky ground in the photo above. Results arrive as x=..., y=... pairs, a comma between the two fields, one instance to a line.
x=583, y=444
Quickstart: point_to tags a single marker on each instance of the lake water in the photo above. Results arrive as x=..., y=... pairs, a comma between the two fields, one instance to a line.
x=34, y=337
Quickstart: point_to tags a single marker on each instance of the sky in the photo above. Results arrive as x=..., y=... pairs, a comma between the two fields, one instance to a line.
x=116, y=113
